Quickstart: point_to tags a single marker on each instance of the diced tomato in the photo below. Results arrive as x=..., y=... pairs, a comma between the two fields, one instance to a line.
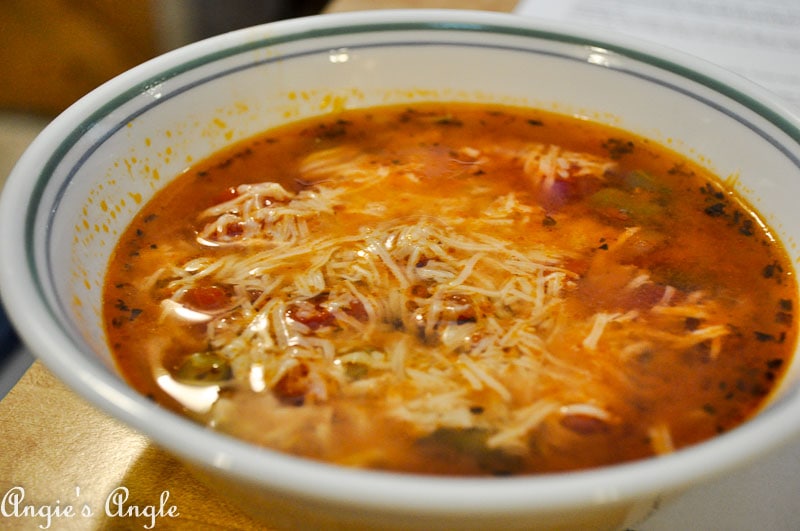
x=206, y=298
x=357, y=311
x=645, y=296
x=565, y=191
x=310, y=314
x=420, y=291
x=234, y=229
x=459, y=308
x=291, y=389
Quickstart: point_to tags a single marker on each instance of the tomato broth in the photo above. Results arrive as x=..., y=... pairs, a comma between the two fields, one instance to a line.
x=453, y=289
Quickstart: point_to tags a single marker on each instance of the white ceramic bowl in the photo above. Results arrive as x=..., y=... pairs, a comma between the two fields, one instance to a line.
x=85, y=176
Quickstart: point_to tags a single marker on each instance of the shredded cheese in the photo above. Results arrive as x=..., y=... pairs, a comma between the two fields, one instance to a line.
x=430, y=314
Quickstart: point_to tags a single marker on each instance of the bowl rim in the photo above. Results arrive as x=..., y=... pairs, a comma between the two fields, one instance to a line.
x=331, y=483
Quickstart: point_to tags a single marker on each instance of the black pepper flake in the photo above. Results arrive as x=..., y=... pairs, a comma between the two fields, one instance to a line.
x=549, y=221
x=784, y=318
x=449, y=121
x=122, y=306
x=618, y=147
x=604, y=247
x=747, y=228
x=476, y=410
x=709, y=189
x=786, y=305
x=336, y=130
x=764, y=337
x=150, y=217
x=716, y=210
x=710, y=409
x=775, y=363
x=680, y=169
x=535, y=122
x=771, y=270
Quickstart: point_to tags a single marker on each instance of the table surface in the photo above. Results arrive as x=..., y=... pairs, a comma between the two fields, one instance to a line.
x=61, y=453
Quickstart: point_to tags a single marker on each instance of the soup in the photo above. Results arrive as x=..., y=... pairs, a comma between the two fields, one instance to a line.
x=453, y=289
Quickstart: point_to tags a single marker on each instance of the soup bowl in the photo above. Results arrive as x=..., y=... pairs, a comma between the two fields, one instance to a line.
x=80, y=183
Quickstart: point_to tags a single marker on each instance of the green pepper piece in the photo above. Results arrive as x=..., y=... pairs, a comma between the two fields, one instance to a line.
x=202, y=368
x=627, y=204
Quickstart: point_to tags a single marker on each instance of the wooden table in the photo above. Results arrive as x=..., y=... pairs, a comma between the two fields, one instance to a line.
x=59, y=454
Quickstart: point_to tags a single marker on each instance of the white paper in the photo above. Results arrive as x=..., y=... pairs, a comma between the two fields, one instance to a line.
x=758, y=39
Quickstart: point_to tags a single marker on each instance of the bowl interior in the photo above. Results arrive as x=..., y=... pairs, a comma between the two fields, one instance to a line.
x=86, y=176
